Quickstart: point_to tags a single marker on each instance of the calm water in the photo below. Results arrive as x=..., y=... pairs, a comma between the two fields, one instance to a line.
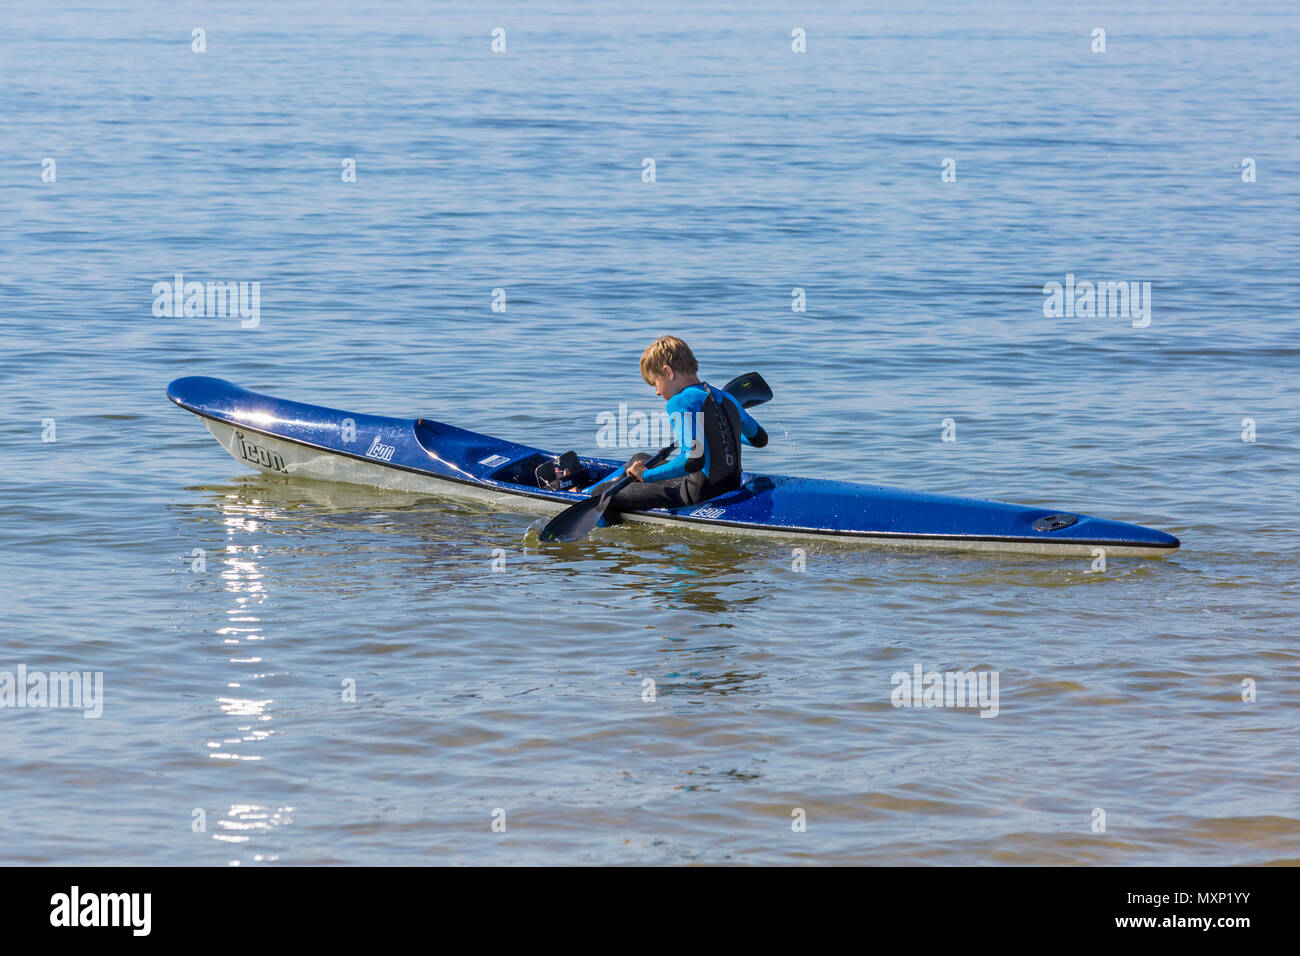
x=224, y=688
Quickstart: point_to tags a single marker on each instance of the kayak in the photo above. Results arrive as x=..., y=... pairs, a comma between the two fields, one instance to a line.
x=281, y=437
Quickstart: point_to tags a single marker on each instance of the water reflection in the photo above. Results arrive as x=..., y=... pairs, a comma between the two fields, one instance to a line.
x=242, y=520
x=244, y=582
x=440, y=550
x=243, y=821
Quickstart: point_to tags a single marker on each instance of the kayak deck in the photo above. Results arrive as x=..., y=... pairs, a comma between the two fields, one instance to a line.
x=424, y=456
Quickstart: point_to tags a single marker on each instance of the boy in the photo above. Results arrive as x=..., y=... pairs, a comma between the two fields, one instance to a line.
x=706, y=465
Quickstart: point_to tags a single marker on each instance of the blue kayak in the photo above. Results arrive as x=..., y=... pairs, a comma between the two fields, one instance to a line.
x=295, y=439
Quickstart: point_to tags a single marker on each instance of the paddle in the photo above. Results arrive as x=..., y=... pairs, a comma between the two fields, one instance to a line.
x=576, y=521
x=749, y=389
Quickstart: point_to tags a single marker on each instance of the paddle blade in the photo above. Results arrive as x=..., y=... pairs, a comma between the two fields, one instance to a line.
x=576, y=521
x=749, y=389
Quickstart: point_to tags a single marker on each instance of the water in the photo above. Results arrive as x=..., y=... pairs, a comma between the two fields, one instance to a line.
x=522, y=691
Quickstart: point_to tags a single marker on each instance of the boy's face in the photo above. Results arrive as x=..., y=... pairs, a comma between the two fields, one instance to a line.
x=666, y=384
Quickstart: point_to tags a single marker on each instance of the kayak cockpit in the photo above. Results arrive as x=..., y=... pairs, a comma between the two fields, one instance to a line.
x=530, y=470
x=490, y=459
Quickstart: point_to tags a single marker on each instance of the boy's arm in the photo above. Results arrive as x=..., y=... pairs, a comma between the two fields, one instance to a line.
x=750, y=429
x=675, y=467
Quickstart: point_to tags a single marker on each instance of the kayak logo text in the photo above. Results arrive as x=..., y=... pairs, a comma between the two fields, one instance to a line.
x=75, y=690
x=102, y=909
x=1104, y=300
x=257, y=455
x=381, y=451
x=946, y=689
x=637, y=429
x=215, y=300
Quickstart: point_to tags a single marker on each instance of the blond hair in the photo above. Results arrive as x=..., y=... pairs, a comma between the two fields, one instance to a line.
x=667, y=350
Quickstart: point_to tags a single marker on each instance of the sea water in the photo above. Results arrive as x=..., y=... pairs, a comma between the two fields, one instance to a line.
x=871, y=206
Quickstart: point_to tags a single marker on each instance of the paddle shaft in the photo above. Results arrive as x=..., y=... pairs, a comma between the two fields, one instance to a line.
x=657, y=458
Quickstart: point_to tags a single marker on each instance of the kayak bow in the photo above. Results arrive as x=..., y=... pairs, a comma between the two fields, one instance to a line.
x=282, y=437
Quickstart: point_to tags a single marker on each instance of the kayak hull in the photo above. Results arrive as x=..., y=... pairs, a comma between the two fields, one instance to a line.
x=421, y=456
